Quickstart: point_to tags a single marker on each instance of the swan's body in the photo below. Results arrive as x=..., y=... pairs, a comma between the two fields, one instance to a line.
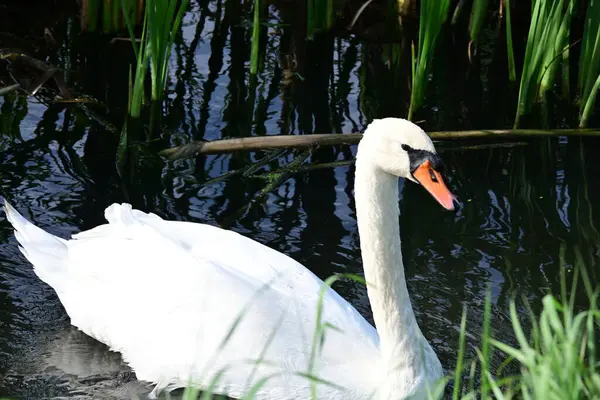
x=166, y=294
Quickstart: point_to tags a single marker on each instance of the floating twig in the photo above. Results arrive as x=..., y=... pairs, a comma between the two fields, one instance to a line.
x=344, y=163
x=249, y=169
x=301, y=141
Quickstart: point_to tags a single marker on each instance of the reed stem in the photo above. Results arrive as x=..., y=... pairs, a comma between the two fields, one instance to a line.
x=255, y=39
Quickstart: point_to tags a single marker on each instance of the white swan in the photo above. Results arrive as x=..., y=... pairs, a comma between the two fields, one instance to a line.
x=165, y=294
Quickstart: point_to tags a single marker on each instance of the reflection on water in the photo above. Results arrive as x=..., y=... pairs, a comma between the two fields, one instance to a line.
x=520, y=205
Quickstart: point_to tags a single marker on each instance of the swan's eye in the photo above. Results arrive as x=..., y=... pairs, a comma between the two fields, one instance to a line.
x=432, y=175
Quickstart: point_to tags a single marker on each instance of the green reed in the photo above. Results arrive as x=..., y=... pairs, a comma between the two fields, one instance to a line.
x=162, y=20
x=478, y=14
x=106, y=14
x=557, y=359
x=589, y=62
x=547, y=39
x=142, y=53
x=91, y=15
x=512, y=74
x=461, y=355
x=433, y=15
x=320, y=14
x=254, y=56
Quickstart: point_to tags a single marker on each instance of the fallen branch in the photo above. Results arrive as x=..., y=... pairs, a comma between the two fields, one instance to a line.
x=300, y=141
x=251, y=170
x=46, y=71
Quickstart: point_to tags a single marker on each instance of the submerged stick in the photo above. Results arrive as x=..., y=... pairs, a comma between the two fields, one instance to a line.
x=273, y=182
x=250, y=170
x=9, y=89
x=300, y=141
x=345, y=163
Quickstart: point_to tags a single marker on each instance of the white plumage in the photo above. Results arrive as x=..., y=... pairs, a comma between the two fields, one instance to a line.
x=167, y=294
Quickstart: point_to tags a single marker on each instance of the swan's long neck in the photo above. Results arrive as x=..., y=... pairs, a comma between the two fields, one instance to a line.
x=401, y=341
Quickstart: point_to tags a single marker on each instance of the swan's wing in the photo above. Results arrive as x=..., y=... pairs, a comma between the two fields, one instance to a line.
x=167, y=294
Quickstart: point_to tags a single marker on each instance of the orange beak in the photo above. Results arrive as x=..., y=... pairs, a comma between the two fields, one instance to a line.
x=434, y=183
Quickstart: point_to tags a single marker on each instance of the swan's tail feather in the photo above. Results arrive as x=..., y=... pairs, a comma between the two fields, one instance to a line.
x=117, y=214
x=46, y=252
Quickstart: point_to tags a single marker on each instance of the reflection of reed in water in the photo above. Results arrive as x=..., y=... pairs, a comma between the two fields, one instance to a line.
x=584, y=193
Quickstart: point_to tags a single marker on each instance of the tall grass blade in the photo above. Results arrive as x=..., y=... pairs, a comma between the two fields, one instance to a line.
x=263, y=353
x=161, y=23
x=319, y=333
x=478, y=13
x=485, y=342
x=164, y=25
x=137, y=97
x=589, y=103
x=547, y=39
x=251, y=394
x=255, y=39
x=512, y=74
x=116, y=15
x=107, y=15
x=461, y=354
x=128, y=9
x=557, y=44
x=432, y=17
x=458, y=11
x=589, y=62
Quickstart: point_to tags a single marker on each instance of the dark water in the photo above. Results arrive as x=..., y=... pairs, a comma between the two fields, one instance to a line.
x=523, y=206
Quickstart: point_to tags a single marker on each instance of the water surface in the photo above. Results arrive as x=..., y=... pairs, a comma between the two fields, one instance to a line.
x=523, y=207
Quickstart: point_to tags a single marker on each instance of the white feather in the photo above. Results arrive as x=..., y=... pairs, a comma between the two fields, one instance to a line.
x=166, y=294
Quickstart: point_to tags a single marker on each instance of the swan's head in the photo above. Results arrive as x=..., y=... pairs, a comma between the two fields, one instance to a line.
x=401, y=148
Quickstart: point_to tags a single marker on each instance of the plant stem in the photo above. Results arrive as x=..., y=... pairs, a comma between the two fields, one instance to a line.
x=512, y=74
x=255, y=39
x=589, y=104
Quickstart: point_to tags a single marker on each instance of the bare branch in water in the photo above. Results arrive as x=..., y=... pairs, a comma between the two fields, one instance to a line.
x=302, y=141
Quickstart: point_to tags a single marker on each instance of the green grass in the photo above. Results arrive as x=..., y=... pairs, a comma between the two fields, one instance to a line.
x=432, y=17
x=162, y=19
x=512, y=74
x=478, y=14
x=589, y=62
x=547, y=39
x=106, y=14
x=557, y=360
x=142, y=53
x=254, y=56
x=93, y=7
